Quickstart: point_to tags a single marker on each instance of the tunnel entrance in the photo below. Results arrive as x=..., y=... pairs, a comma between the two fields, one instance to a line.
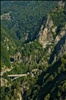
x=12, y=60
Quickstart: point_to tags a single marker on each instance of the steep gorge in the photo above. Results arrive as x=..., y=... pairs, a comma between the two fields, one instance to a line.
x=47, y=53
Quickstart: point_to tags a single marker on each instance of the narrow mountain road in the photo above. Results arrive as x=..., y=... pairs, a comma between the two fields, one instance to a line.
x=17, y=75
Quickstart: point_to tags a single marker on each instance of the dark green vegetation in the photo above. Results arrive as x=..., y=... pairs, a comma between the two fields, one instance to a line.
x=20, y=24
x=21, y=49
x=50, y=85
x=6, y=40
x=26, y=17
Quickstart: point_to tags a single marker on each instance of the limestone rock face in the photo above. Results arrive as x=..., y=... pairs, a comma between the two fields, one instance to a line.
x=61, y=3
x=17, y=56
x=62, y=49
x=54, y=29
x=61, y=34
x=49, y=22
x=3, y=82
x=6, y=16
x=56, y=45
x=45, y=36
x=59, y=49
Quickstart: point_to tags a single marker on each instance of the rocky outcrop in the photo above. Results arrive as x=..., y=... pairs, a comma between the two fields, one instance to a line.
x=57, y=44
x=61, y=4
x=45, y=36
x=3, y=82
x=6, y=16
x=61, y=34
x=60, y=40
x=59, y=50
x=17, y=56
x=8, y=44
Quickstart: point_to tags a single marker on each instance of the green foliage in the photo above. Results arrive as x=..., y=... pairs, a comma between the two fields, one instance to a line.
x=22, y=27
x=6, y=42
x=5, y=57
x=59, y=18
x=51, y=83
x=26, y=17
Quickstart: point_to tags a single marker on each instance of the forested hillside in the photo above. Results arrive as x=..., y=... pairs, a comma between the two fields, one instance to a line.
x=20, y=23
x=26, y=17
x=33, y=50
